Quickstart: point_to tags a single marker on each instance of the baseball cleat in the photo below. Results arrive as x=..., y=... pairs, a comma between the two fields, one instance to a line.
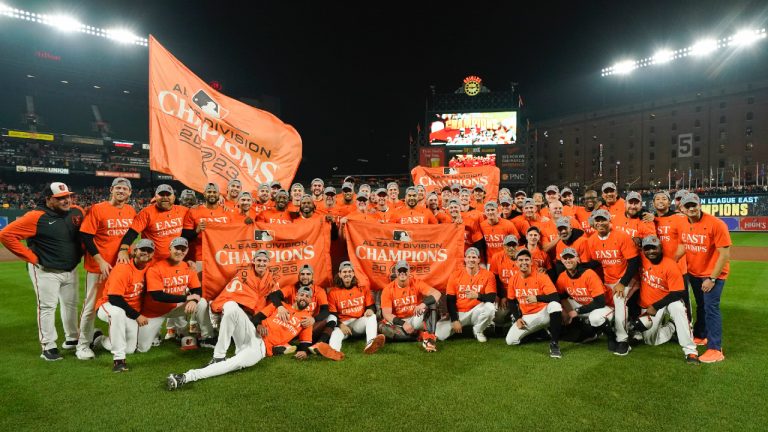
x=554, y=350
x=692, y=359
x=636, y=325
x=84, y=353
x=209, y=343
x=325, y=350
x=175, y=381
x=51, y=355
x=69, y=345
x=156, y=341
x=215, y=360
x=622, y=348
x=283, y=349
x=429, y=345
x=700, y=341
x=170, y=333
x=712, y=356
x=119, y=366
x=481, y=337
x=374, y=344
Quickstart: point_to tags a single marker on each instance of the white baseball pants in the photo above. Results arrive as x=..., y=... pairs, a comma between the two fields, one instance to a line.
x=123, y=331
x=54, y=287
x=658, y=334
x=148, y=332
x=480, y=317
x=366, y=325
x=88, y=314
x=596, y=317
x=533, y=323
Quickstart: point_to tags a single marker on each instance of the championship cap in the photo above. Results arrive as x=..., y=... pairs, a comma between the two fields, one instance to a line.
x=552, y=188
x=454, y=201
x=412, y=189
x=665, y=193
x=381, y=191
x=330, y=191
x=569, y=251
x=187, y=193
x=213, y=186
x=522, y=252
x=123, y=181
x=362, y=197
x=392, y=184
x=264, y=186
x=455, y=186
x=347, y=186
x=491, y=204
x=445, y=188
x=510, y=239
x=297, y=186
x=634, y=196
x=318, y=180
x=681, y=193
x=163, y=188
x=345, y=264
x=651, y=240
x=505, y=200
x=179, y=241
x=234, y=181
x=479, y=187
x=563, y=222
x=690, y=198
x=505, y=190
x=521, y=192
x=608, y=185
x=472, y=251
x=244, y=193
x=600, y=213
x=529, y=202
x=464, y=191
x=145, y=243
x=304, y=289
x=350, y=179
x=58, y=190
x=566, y=190
x=275, y=184
x=402, y=264
x=261, y=252
x=281, y=192
x=307, y=267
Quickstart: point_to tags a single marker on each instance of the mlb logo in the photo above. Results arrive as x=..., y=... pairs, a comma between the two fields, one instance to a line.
x=401, y=236
x=209, y=106
x=263, y=236
x=450, y=171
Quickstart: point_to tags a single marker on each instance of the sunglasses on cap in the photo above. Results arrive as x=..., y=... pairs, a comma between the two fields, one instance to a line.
x=180, y=248
x=402, y=270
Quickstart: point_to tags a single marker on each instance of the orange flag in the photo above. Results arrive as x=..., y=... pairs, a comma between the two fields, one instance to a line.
x=229, y=248
x=432, y=251
x=198, y=135
x=468, y=177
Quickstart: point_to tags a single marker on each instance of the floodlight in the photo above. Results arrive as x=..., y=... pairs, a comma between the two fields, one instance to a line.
x=746, y=37
x=703, y=47
x=662, y=56
x=121, y=35
x=63, y=22
x=624, y=67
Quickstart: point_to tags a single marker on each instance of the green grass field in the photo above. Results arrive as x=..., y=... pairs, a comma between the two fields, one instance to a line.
x=464, y=386
x=755, y=239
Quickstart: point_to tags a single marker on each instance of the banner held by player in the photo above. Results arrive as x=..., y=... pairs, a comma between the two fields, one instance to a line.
x=467, y=177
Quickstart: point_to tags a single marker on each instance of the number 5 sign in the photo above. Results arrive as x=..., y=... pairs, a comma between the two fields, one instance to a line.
x=684, y=145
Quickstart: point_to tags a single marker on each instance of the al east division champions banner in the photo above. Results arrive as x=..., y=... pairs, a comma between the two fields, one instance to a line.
x=432, y=251
x=230, y=248
x=198, y=135
x=469, y=177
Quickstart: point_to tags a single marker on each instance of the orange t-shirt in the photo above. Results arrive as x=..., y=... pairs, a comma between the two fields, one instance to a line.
x=461, y=282
x=238, y=217
x=613, y=253
x=701, y=240
x=396, y=204
x=175, y=280
x=358, y=216
x=580, y=244
x=503, y=266
x=246, y=289
x=319, y=298
x=616, y=208
x=160, y=226
x=127, y=281
x=582, y=215
x=402, y=301
x=442, y=217
x=539, y=258
x=668, y=230
x=195, y=215
x=281, y=332
x=535, y=284
x=275, y=216
x=108, y=224
x=349, y=303
x=417, y=215
x=635, y=227
x=582, y=289
x=494, y=236
x=658, y=280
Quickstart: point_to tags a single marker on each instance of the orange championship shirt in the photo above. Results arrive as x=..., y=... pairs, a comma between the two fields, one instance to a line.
x=402, y=301
x=494, y=236
x=127, y=281
x=246, y=289
x=275, y=216
x=503, y=266
x=417, y=215
x=195, y=215
x=583, y=288
x=658, y=280
x=701, y=240
x=616, y=208
x=108, y=224
x=349, y=303
x=175, y=280
x=580, y=244
x=536, y=284
x=635, y=227
x=319, y=298
x=668, y=230
x=281, y=332
x=582, y=215
x=613, y=252
x=461, y=282
x=160, y=226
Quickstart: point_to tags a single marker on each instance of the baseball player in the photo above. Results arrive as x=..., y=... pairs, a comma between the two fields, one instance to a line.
x=355, y=309
x=494, y=230
x=632, y=220
x=120, y=304
x=503, y=266
x=669, y=225
x=534, y=304
x=52, y=253
x=234, y=187
x=187, y=198
x=259, y=337
x=471, y=295
x=316, y=187
x=411, y=213
x=613, y=203
x=393, y=196
x=409, y=308
x=261, y=199
x=173, y=290
x=296, y=192
x=279, y=214
x=104, y=226
x=570, y=237
x=661, y=295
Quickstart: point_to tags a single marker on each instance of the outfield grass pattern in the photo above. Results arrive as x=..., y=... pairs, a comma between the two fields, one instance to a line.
x=464, y=386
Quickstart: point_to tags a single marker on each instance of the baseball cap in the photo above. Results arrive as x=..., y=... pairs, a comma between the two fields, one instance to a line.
x=445, y=188
x=281, y=192
x=634, y=196
x=569, y=251
x=58, y=190
x=454, y=201
x=412, y=189
x=381, y=191
x=690, y=198
x=307, y=267
x=464, y=191
x=179, y=241
x=347, y=186
x=234, y=181
x=275, y=184
x=522, y=252
x=391, y=184
x=491, y=204
x=521, y=192
x=123, y=181
x=510, y=238
x=304, y=289
x=350, y=179
x=479, y=187
x=264, y=186
x=502, y=190
x=213, y=186
x=552, y=188
x=402, y=264
x=681, y=193
x=455, y=186
x=345, y=264
x=473, y=250
x=563, y=222
x=297, y=186
x=665, y=193
x=529, y=202
x=244, y=193
x=600, y=213
x=317, y=180
x=362, y=197
x=145, y=243
x=329, y=191
x=566, y=190
x=187, y=193
x=505, y=200
x=262, y=252
x=164, y=188
x=651, y=240
x=608, y=185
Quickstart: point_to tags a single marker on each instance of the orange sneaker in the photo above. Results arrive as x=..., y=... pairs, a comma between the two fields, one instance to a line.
x=374, y=344
x=712, y=356
x=700, y=341
x=325, y=350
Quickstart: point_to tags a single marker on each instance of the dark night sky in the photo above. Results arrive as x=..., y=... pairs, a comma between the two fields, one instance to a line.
x=353, y=79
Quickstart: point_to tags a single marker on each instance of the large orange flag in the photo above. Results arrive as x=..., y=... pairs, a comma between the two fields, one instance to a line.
x=468, y=177
x=432, y=251
x=198, y=135
x=229, y=248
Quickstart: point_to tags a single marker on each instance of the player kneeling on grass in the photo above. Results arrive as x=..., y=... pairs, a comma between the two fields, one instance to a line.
x=582, y=295
x=121, y=303
x=534, y=304
x=355, y=308
x=471, y=297
x=173, y=290
x=264, y=335
x=407, y=304
x=661, y=295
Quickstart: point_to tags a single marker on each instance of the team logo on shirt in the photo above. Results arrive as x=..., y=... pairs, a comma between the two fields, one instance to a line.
x=77, y=220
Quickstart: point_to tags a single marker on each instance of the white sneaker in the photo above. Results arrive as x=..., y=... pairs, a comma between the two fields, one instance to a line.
x=481, y=337
x=156, y=341
x=84, y=353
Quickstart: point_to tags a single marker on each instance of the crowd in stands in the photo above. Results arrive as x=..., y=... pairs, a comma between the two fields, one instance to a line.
x=76, y=158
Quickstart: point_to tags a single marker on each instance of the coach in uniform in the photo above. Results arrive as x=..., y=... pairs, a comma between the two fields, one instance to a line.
x=52, y=254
